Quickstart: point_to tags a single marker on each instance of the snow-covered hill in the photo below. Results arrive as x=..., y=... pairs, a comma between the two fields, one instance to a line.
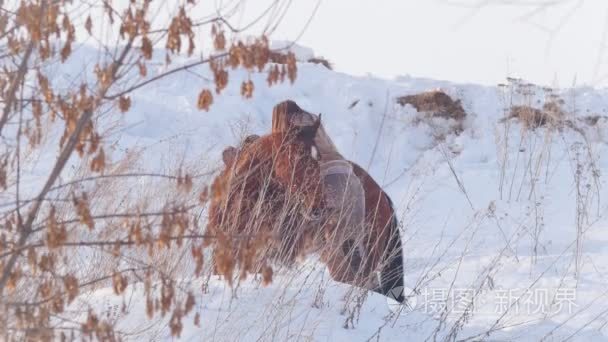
x=514, y=218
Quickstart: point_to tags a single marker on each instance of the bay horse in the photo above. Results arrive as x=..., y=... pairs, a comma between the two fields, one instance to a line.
x=252, y=194
x=379, y=235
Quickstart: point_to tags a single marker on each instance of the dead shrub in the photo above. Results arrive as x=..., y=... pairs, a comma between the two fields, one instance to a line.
x=437, y=104
x=551, y=114
x=530, y=117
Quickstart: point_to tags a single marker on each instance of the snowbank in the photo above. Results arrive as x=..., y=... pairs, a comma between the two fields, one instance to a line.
x=491, y=213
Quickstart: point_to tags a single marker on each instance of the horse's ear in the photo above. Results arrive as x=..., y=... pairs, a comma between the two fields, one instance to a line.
x=316, y=124
x=229, y=155
x=251, y=138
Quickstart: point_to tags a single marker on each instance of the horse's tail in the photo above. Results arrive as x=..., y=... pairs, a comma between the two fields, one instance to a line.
x=391, y=273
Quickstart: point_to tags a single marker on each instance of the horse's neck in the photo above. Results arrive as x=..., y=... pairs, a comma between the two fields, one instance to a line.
x=326, y=147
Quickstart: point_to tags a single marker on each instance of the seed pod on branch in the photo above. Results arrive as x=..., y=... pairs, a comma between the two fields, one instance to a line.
x=56, y=232
x=119, y=283
x=98, y=164
x=146, y=47
x=190, y=302
x=219, y=39
x=70, y=283
x=205, y=99
x=247, y=89
x=143, y=71
x=292, y=68
x=220, y=77
x=82, y=209
x=124, y=103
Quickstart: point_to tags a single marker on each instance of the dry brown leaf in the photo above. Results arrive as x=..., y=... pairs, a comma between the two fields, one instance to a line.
x=205, y=99
x=247, y=89
x=124, y=103
x=146, y=47
x=119, y=283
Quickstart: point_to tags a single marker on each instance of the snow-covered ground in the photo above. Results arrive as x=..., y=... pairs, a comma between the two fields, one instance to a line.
x=516, y=219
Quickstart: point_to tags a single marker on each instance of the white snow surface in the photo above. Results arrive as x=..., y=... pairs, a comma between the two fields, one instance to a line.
x=470, y=222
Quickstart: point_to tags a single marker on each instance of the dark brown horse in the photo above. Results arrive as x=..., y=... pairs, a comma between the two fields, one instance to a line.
x=272, y=184
x=379, y=235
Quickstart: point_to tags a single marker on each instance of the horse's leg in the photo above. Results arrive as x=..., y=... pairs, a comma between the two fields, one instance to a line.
x=333, y=254
x=338, y=266
x=352, y=250
x=343, y=256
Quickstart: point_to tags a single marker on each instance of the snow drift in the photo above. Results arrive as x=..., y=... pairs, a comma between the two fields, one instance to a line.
x=504, y=226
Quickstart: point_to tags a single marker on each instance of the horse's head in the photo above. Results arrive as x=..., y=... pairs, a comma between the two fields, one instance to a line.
x=306, y=134
x=297, y=167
